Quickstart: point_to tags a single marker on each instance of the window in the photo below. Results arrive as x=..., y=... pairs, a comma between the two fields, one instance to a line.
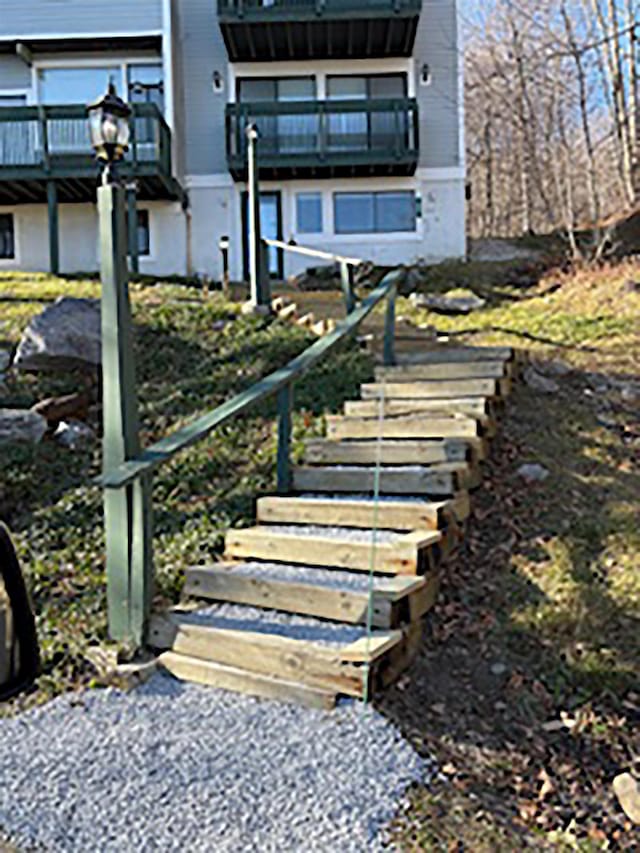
x=7, y=242
x=75, y=85
x=367, y=213
x=144, y=233
x=287, y=131
x=309, y=213
x=372, y=129
x=145, y=86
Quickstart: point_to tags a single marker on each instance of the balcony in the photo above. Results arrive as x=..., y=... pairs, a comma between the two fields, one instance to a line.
x=264, y=30
x=326, y=138
x=41, y=144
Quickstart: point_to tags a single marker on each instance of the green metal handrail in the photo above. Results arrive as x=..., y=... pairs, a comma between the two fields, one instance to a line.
x=165, y=449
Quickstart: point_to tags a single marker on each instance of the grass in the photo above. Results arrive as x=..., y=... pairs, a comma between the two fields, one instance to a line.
x=191, y=355
x=547, y=586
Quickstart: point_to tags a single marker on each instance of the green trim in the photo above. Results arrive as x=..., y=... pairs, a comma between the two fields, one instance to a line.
x=165, y=449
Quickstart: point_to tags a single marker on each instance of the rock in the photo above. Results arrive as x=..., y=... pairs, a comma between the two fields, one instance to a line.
x=5, y=360
x=74, y=434
x=56, y=409
x=554, y=368
x=412, y=281
x=533, y=473
x=539, y=382
x=66, y=335
x=498, y=668
x=444, y=304
x=627, y=790
x=607, y=420
x=21, y=425
x=218, y=325
x=630, y=393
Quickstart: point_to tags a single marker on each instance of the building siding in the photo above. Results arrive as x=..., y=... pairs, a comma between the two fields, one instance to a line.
x=439, y=102
x=14, y=73
x=78, y=17
x=203, y=52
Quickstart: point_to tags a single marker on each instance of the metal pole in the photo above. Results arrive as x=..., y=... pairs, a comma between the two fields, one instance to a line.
x=127, y=510
x=390, y=328
x=54, y=228
x=132, y=227
x=346, y=277
x=257, y=275
x=285, y=405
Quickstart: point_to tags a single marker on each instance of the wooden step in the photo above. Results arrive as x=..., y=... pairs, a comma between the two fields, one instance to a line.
x=432, y=389
x=433, y=425
x=288, y=312
x=235, y=636
x=391, y=515
x=320, y=451
x=198, y=671
x=443, y=479
x=310, y=591
x=445, y=371
x=398, y=554
x=443, y=354
x=474, y=407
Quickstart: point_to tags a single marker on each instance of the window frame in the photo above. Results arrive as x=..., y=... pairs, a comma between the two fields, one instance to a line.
x=374, y=195
x=315, y=194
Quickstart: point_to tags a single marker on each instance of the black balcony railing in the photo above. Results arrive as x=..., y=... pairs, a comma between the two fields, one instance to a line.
x=326, y=137
x=278, y=10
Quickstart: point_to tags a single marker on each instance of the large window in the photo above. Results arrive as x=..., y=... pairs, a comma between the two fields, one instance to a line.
x=282, y=133
x=145, y=86
x=374, y=213
x=309, y=213
x=7, y=241
x=367, y=130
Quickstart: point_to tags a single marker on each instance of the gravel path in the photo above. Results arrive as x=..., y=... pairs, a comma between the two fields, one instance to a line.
x=352, y=534
x=329, y=578
x=178, y=767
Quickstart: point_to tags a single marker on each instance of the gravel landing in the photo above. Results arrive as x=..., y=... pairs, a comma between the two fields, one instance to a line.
x=239, y=617
x=179, y=767
x=329, y=578
x=352, y=534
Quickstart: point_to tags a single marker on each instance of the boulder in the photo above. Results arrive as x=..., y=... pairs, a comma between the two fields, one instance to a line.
x=65, y=336
x=446, y=304
x=5, y=360
x=19, y=425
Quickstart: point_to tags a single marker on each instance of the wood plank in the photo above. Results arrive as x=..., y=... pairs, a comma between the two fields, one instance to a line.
x=450, y=355
x=371, y=648
x=249, y=683
x=390, y=452
x=220, y=584
x=431, y=388
x=353, y=513
x=401, y=557
x=392, y=481
x=442, y=371
x=340, y=427
x=477, y=407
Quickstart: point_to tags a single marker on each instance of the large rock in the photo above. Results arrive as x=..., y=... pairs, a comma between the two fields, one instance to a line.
x=445, y=304
x=20, y=425
x=65, y=336
x=539, y=382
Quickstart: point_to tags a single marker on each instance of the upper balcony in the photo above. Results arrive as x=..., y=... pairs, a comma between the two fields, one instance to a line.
x=265, y=30
x=326, y=138
x=39, y=144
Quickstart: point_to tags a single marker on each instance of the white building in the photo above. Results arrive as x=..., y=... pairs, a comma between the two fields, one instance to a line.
x=359, y=104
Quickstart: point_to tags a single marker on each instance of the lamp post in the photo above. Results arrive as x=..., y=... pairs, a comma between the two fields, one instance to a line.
x=223, y=245
x=126, y=510
x=260, y=300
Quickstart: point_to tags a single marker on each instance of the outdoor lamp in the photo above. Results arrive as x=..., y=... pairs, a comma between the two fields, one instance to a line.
x=224, y=243
x=109, y=127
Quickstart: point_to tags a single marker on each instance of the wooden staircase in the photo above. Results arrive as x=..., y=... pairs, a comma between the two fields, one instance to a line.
x=285, y=616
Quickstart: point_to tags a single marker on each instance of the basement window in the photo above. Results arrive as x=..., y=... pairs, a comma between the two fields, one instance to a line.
x=309, y=213
x=144, y=233
x=374, y=213
x=7, y=241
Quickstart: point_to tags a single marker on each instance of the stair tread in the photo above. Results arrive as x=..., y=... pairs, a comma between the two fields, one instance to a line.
x=237, y=680
x=289, y=573
x=289, y=627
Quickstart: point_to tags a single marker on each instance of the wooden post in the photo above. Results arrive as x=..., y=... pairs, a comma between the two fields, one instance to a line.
x=390, y=328
x=132, y=227
x=257, y=274
x=54, y=230
x=346, y=277
x=127, y=510
x=285, y=405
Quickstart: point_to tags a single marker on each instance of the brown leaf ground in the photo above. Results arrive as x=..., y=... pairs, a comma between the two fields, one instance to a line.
x=526, y=691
